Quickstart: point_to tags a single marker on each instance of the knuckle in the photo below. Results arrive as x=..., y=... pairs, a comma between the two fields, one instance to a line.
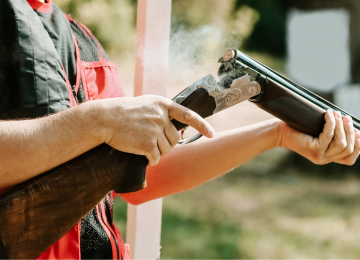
x=203, y=125
x=188, y=115
x=322, y=162
x=340, y=144
x=317, y=158
x=349, y=162
x=349, y=149
x=343, y=144
x=150, y=146
x=156, y=159
x=158, y=99
x=151, y=132
x=317, y=162
x=329, y=135
x=159, y=117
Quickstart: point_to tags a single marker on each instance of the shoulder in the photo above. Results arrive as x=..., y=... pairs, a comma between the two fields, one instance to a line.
x=90, y=48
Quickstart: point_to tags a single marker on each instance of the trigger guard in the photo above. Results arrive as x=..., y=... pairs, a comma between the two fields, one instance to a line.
x=191, y=139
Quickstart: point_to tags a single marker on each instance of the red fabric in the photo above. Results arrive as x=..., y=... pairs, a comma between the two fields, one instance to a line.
x=65, y=248
x=107, y=228
x=40, y=6
x=125, y=249
x=100, y=80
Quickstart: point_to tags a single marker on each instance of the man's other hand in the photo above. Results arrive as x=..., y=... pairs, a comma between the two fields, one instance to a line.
x=142, y=125
x=339, y=142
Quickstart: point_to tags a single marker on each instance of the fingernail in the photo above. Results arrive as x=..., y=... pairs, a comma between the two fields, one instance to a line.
x=338, y=115
x=211, y=132
x=330, y=111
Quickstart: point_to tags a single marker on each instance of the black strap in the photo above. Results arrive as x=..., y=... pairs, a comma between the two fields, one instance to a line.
x=3, y=254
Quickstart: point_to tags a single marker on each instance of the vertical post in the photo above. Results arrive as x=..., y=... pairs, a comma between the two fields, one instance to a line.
x=152, y=48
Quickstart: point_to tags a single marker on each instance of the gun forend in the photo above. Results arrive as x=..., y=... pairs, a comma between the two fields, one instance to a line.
x=292, y=108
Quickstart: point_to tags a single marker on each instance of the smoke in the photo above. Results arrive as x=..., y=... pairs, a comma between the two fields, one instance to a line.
x=194, y=51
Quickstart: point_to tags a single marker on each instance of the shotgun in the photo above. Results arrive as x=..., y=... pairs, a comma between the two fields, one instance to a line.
x=242, y=76
x=38, y=212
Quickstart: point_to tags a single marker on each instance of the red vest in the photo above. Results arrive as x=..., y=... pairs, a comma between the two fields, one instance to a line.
x=99, y=80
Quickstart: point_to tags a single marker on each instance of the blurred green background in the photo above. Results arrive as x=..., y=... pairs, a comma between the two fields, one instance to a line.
x=277, y=205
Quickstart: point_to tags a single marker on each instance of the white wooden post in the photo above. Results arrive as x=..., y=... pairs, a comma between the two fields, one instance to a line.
x=152, y=51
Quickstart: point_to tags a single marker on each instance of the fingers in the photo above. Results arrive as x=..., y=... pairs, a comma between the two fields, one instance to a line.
x=343, y=147
x=350, y=138
x=327, y=134
x=351, y=159
x=171, y=134
x=163, y=145
x=190, y=118
x=153, y=156
x=339, y=142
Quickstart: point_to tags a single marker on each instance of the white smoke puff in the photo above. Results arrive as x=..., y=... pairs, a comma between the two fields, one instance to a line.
x=192, y=50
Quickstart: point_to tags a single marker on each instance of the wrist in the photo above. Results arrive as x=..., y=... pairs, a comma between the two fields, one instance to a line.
x=94, y=112
x=280, y=134
x=276, y=132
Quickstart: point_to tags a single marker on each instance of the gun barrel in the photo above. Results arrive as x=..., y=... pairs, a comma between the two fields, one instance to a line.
x=287, y=100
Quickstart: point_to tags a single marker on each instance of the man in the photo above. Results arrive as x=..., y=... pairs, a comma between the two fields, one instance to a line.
x=138, y=125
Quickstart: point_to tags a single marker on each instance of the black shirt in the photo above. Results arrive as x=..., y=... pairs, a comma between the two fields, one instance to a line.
x=56, y=24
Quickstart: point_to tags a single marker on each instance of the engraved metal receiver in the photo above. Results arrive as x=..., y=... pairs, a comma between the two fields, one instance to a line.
x=207, y=96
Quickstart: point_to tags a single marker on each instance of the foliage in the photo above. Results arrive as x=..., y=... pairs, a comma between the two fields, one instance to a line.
x=269, y=32
x=111, y=21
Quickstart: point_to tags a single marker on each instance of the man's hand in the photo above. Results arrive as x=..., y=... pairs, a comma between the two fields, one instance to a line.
x=142, y=125
x=337, y=143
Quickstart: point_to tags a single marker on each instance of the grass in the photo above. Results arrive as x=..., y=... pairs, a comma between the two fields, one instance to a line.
x=257, y=211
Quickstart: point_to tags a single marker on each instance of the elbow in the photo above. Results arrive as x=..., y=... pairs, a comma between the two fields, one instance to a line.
x=134, y=202
x=133, y=199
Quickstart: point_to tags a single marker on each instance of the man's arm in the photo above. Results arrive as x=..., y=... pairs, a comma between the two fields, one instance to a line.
x=188, y=166
x=135, y=125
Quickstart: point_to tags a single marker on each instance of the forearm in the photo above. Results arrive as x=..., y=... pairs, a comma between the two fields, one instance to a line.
x=31, y=147
x=188, y=166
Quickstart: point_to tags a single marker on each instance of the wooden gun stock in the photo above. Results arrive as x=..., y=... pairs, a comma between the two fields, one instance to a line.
x=39, y=212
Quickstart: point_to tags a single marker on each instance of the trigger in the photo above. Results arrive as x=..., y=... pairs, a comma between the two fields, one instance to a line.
x=182, y=134
x=191, y=139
